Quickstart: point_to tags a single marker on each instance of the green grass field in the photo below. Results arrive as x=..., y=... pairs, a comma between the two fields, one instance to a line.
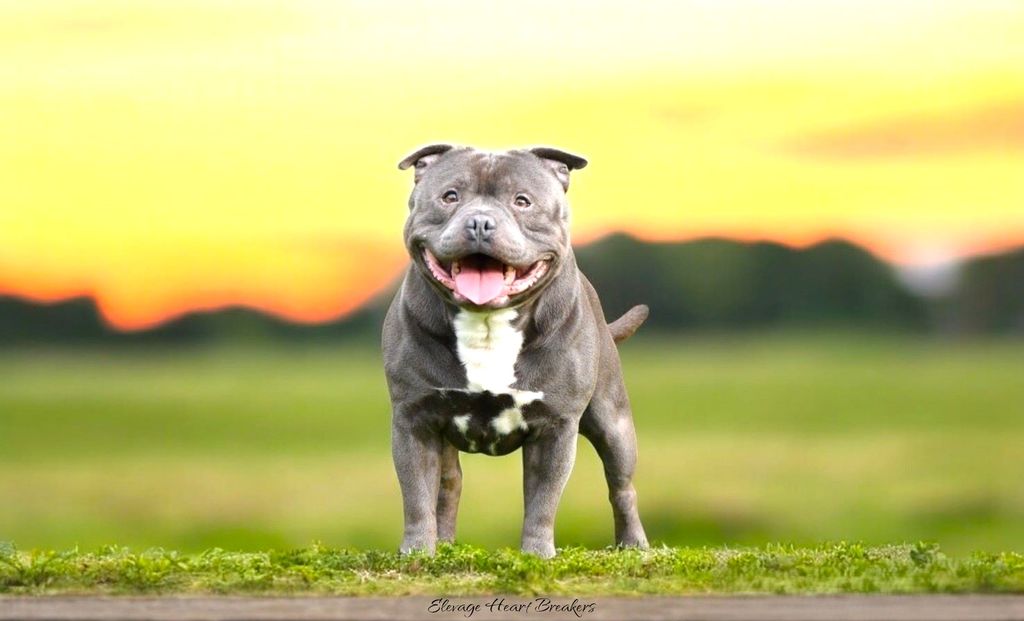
x=743, y=441
x=469, y=570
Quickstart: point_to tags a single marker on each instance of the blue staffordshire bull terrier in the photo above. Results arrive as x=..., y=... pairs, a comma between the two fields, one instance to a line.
x=496, y=341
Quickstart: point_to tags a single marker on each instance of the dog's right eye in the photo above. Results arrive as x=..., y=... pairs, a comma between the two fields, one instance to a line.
x=450, y=197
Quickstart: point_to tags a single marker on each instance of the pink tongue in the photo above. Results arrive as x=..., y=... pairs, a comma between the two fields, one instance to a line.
x=480, y=285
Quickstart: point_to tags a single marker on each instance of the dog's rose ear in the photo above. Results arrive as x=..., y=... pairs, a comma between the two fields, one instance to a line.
x=560, y=163
x=424, y=157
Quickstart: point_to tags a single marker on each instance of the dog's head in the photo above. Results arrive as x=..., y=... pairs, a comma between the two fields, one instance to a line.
x=489, y=230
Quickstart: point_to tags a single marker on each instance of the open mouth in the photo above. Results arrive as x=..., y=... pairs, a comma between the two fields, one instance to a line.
x=483, y=280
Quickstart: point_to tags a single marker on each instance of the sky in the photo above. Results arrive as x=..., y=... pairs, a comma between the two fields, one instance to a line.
x=168, y=156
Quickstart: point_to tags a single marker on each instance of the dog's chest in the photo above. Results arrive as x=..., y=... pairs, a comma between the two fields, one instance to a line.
x=489, y=415
x=488, y=346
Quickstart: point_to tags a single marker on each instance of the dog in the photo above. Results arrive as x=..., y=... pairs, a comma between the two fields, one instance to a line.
x=496, y=341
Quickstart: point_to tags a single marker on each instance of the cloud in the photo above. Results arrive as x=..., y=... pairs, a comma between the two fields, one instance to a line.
x=995, y=127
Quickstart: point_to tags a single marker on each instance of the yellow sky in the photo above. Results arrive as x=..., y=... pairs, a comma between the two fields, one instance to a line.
x=165, y=156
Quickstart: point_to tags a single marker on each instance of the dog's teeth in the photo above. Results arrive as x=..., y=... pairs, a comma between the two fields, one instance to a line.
x=455, y=268
x=510, y=274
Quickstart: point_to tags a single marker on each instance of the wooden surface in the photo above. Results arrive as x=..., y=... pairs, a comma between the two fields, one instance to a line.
x=848, y=608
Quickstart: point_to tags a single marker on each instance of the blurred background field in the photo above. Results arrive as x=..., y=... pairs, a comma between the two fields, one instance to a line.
x=744, y=439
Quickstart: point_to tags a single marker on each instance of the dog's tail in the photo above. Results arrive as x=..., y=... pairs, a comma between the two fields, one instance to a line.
x=624, y=327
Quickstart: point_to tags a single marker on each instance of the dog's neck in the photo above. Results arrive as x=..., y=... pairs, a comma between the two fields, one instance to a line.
x=488, y=343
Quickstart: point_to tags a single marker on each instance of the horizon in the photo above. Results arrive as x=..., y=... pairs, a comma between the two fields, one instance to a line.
x=922, y=280
x=163, y=157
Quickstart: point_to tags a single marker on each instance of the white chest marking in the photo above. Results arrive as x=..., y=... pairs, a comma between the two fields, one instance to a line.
x=488, y=346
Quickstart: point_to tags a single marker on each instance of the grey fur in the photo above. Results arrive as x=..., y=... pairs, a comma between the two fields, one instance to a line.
x=625, y=326
x=568, y=352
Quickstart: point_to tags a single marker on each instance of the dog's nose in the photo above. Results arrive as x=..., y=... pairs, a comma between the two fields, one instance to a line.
x=480, y=227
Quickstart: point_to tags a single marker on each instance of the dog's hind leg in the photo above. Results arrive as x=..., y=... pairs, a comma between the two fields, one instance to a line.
x=608, y=425
x=449, y=492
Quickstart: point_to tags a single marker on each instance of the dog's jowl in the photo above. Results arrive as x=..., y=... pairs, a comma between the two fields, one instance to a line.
x=496, y=342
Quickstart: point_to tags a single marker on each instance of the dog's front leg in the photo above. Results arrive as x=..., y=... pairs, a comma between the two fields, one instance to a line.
x=548, y=458
x=416, y=449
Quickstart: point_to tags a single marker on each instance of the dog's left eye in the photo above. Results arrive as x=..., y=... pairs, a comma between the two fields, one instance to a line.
x=522, y=201
x=449, y=197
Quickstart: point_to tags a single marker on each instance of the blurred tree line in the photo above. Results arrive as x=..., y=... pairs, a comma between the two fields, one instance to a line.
x=709, y=284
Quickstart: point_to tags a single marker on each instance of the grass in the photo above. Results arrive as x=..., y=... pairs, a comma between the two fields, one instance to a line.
x=743, y=441
x=467, y=570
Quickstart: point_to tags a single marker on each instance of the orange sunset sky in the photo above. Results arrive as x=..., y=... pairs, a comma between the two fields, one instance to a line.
x=164, y=156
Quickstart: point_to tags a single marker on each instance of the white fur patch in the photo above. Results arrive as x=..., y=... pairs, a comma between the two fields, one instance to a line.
x=488, y=346
x=461, y=423
x=525, y=397
x=508, y=421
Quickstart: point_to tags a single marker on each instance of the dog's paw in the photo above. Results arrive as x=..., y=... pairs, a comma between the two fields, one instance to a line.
x=543, y=549
x=633, y=540
x=422, y=546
